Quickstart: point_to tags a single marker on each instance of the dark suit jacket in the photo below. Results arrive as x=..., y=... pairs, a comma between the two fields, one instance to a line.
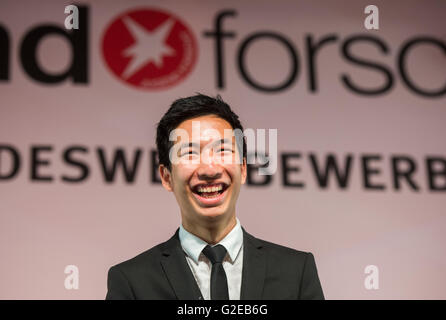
x=269, y=272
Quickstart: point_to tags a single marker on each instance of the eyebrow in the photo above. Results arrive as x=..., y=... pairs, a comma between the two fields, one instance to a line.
x=196, y=145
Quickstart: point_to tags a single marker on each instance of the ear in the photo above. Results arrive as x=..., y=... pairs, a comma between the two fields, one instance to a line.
x=244, y=171
x=166, y=177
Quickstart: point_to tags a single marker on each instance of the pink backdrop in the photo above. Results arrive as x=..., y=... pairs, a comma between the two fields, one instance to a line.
x=92, y=224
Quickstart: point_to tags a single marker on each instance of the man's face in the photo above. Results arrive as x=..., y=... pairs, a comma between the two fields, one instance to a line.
x=207, y=174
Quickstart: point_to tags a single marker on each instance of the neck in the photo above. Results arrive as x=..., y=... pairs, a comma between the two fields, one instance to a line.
x=210, y=231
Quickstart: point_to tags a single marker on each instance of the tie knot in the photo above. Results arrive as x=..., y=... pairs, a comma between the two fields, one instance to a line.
x=215, y=254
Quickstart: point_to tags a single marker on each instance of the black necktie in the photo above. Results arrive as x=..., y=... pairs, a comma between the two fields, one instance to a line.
x=219, y=283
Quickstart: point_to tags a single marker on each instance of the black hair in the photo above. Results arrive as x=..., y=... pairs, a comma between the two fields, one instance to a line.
x=188, y=108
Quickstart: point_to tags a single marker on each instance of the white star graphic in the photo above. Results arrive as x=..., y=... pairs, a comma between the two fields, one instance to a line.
x=149, y=46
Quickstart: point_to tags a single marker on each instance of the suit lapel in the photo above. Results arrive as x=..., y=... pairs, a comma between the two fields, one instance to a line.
x=254, y=268
x=178, y=271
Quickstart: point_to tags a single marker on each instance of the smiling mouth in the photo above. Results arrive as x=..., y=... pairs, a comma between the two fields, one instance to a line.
x=210, y=191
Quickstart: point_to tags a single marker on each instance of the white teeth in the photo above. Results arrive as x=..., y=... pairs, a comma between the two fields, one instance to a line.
x=210, y=189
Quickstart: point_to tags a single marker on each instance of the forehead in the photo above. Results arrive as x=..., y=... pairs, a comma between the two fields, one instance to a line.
x=206, y=122
x=203, y=130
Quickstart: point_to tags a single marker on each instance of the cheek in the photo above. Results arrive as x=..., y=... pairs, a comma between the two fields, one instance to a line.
x=234, y=172
x=181, y=174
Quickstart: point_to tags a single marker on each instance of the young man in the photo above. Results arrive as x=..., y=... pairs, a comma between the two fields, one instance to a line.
x=210, y=255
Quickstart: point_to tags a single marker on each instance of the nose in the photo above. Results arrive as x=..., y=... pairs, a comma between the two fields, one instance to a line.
x=209, y=171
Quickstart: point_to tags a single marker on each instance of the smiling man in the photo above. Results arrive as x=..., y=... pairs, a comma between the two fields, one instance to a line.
x=210, y=256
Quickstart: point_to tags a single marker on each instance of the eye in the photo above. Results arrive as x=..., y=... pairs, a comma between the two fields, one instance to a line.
x=226, y=150
x=189, y=152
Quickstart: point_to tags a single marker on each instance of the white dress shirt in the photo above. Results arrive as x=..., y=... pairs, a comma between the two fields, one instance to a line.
x=201, y=266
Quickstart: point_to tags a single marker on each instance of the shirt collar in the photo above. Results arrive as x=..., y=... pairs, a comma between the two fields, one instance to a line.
x=193, y=245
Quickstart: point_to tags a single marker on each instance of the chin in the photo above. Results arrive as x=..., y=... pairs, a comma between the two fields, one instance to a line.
x=211, y=212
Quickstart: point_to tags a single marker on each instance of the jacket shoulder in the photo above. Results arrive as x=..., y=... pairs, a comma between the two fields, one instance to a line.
x=280, y=252
x=141, y=277
x=296, y=268
x=141, y=261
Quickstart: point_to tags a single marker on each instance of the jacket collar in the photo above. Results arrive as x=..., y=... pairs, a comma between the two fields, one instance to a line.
x=177, y=270
x=254, y=268
x=181, y=279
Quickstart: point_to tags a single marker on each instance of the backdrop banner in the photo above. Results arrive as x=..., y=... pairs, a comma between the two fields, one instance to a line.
x=355, y=93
